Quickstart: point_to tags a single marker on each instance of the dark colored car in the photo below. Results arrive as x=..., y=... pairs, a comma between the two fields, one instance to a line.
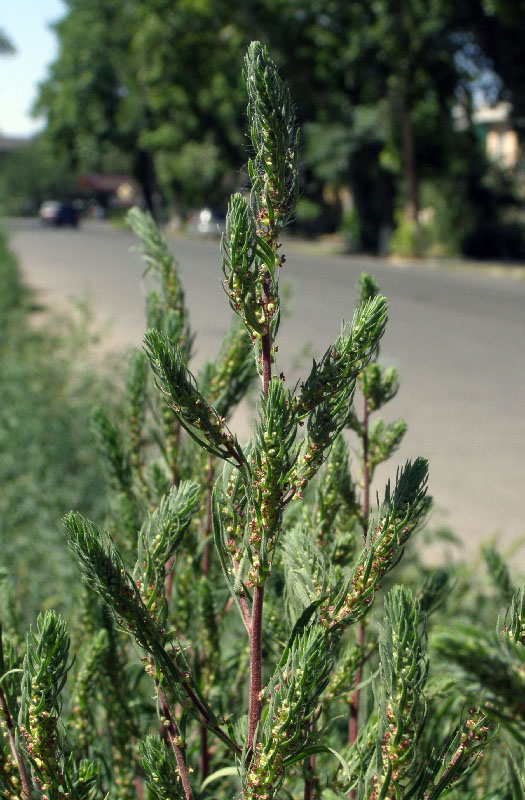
x=55, y=213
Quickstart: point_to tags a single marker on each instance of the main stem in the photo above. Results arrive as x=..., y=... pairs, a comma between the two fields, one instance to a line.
x=254, y=713
x=205, y=565
x=255, y=704
x=309, y=780
x=310, y=772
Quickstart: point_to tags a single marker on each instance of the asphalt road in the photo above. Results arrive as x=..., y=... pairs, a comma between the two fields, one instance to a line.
x=456, y=336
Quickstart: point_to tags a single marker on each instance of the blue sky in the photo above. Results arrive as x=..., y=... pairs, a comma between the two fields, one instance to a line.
x=26, y=22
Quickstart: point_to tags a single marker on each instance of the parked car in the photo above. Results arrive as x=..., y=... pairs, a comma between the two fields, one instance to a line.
x=53, y=212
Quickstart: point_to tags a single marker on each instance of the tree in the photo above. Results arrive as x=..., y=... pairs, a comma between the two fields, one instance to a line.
x=375, y=84
x=497, y=29
x=151, y=86
x=87, y=89
x=188, y=57
x=31, y=174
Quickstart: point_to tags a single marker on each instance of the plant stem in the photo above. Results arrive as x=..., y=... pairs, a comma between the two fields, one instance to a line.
x=255, y=704
x=26, y=788
x=366, y=468
x=254, y=713
x=169, y=579
x=266, y=345
x=139, y=787
x=173, y=735
x=204, y=759
x=206, y=718
x=310, y=772
x=308, y=783
x=207, y=530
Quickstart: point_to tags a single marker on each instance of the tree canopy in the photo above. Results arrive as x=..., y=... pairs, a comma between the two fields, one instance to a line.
x=154, y=88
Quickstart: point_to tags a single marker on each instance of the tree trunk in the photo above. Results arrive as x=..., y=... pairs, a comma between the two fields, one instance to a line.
x=145, y=174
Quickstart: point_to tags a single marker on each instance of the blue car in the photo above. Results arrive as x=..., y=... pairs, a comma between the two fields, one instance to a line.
x=55, y=213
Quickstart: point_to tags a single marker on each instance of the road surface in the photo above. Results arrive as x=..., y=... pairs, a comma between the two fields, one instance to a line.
x=456, y=336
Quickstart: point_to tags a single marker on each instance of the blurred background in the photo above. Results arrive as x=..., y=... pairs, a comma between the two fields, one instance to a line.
x=412, y=113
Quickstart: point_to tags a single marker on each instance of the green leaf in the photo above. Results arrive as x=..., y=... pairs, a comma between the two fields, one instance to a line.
x=224, y=772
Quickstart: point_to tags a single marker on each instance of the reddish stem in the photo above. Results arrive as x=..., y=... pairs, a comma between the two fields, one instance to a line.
x=168, y=588
x=309, y=780
x=204, y=759
x=205, y=754
x=139, y=787
x=172, y=732
x=254, y=713
x=255, y=703
x=206, y=717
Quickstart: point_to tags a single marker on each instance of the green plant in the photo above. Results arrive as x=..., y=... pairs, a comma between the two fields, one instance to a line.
x=252, y=653
x=48, y=460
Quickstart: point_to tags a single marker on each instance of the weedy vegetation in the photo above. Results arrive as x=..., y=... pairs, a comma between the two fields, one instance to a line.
x=245, y=628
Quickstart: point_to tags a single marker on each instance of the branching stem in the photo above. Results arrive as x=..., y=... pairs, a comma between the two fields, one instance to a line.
x=206, y=718
x=173, y=734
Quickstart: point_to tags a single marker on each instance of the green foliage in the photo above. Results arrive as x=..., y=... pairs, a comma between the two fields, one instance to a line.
x=159, y=767
x=402, y=678
x=31, y=174
x=273, y=171
x=196, y=416
x=44, y=675
x=491, y=665
x=47, y=457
